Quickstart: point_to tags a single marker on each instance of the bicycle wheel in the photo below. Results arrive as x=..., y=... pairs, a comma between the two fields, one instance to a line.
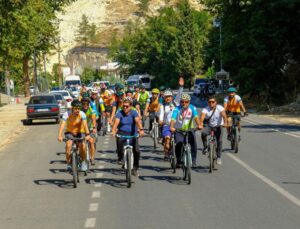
x=74, y=169
x=232, y=142
x=172, y=157
x=214, y=155
x=128, y=171
x=104, y=126
x=236, y=142
x=155, y=135
x=188, y=164
x=211, y=157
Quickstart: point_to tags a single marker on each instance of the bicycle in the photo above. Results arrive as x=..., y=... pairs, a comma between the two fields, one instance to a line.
x=186, y=156
x=128, y=157
x=88, y=158
x=75, y=160
x=104, y=125
x=172, y=154
x=212, y=153
x=154, y=133
x=233, y=133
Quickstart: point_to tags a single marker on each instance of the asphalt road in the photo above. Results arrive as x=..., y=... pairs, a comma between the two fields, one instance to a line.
x=257, y=188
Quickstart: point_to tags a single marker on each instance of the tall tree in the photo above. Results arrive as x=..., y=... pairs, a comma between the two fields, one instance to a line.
x=86, y=32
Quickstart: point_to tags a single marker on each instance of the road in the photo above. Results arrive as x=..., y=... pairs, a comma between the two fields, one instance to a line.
x=257, y=188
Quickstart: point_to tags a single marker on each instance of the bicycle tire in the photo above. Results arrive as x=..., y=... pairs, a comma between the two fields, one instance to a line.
x=232, y=138
x=214, y=154
x=78, y=166
x=155, y=133
x=183, y=161
x=188, y=165
x=128, y=172
x=236, y=142
x=173, y=157
x=210, y=157
x=74, y=169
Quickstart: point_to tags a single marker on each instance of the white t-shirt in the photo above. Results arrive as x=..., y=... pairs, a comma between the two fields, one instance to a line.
x=216, y=119
x=165, y=113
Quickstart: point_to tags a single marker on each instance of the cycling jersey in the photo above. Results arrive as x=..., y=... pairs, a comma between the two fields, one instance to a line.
x=165, y=112
x=184, y=118
x=144, y=98
x=233, y=104
x=97, y=106
x=154, y=105
x=74, y=122
x=107, y=98
x=89, y=116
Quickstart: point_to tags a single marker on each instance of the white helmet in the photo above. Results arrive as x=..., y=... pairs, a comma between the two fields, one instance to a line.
x=168, y=93
x=95, y=91
x=185, y=97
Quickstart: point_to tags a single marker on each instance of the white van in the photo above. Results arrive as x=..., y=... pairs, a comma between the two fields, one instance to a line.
x=146, y=81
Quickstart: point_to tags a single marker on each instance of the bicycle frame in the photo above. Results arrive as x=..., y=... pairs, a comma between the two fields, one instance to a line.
x=212, y=141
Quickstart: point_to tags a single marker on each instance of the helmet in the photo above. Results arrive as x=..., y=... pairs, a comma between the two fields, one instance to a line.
x=129, y=90
x=127, y=99
x=76, y=103
x=162, y=88
x=85, y=100
x=120, y=87
x=155, y=90
x=103, y=86
x=231, y=89
x=185, y=97
x=95, y=91
x=168, y=93
x=119, y=93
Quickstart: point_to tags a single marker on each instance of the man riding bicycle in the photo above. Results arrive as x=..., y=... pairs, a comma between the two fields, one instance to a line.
x=214, y=117
x=127, y=122
x=233, y=105
x=76, y=127
x=182, y=120
x=92, y=125
x=108, y=100
x=144, y=98
x=152, y=107
x=96, y=103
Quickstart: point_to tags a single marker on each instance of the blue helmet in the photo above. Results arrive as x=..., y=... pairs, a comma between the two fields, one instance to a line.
x=231, y=89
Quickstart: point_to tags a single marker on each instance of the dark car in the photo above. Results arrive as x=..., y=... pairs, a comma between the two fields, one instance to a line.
x=42, y=107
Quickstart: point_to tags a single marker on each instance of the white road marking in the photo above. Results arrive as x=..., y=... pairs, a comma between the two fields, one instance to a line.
x=100, y=167
x=93, y=207
x=279, y=189
x=259, y=123
x=106, y=142
x=99, y=175
x=90, y=223
x=104, y=155
x=98, y=185
x=96, y=194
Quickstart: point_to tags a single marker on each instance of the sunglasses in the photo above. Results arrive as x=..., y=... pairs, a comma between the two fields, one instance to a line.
x=184, y=102
x=76, y=108
x=85, y=104
x=211, y=101
x=126, y=106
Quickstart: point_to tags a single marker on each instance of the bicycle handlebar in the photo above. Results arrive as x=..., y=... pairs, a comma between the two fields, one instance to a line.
x=127, y=137
x=74, y=139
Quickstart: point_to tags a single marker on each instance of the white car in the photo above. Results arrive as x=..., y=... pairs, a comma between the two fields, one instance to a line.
x=66, y=96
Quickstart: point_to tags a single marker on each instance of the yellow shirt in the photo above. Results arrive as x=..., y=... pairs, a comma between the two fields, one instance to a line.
x=233, y=104
x=74, y=122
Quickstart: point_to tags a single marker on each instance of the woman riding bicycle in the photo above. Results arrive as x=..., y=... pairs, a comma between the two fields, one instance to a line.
x=127, y=122
x=152, y=107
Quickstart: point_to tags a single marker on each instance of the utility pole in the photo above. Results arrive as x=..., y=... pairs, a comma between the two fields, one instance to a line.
x=35, y=73
x=59, y=64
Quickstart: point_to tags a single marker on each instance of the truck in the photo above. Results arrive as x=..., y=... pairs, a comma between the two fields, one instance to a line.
x=72, y=81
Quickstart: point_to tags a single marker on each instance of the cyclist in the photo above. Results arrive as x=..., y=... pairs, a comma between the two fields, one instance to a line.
x=182, y=119
x=135, y=104
x=136, y=94
x=214, y=117
x=161, y=94
x=118, y=98
x=76, y=126
x=108, y=100
x=152, y=107
x=92, y=125
x=96, y=104
x=165, y=113
x=144, y=98
x=233, y=105
x=127, y=122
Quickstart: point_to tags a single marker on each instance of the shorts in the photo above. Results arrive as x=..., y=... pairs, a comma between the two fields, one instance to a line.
x=70, y=136
x=166, y=131
x=108, y=109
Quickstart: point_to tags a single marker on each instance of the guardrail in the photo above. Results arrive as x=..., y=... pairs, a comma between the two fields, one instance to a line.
x=6, y=99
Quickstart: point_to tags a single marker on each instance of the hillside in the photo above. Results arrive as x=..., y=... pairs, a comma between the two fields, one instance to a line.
x=109, y=16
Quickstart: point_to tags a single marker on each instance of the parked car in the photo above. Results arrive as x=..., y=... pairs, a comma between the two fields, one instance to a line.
x=67, y=96
x=42, y=107
x=61, y=102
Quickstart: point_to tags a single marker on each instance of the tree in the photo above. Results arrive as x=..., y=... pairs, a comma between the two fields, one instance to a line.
x=86, y=32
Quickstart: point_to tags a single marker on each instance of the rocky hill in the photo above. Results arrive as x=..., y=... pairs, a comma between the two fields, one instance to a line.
x=108, y=15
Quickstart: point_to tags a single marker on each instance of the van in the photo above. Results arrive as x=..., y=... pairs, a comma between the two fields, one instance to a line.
x=133, y=82
x=146, y=81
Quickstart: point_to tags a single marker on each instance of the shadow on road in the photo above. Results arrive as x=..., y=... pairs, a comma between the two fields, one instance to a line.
x=280, y=127
x=117, y=183
x=290, y=182
x=60, y=153
x=67, y=184
x=114, y=171
x=58, y=162
x=170, y=179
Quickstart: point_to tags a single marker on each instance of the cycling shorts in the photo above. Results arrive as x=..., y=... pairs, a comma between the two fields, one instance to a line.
x=71, y=136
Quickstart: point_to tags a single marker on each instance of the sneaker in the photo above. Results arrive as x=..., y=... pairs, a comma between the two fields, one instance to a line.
x=204, y=151
x=93, y=162
x=69, y=168
x=134, y=172
x=83, y=166
x=219, y=161
x=120, y=162
x=166, y=158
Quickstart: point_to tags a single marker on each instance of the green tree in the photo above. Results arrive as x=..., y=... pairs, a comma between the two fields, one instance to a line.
x=86, y=32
